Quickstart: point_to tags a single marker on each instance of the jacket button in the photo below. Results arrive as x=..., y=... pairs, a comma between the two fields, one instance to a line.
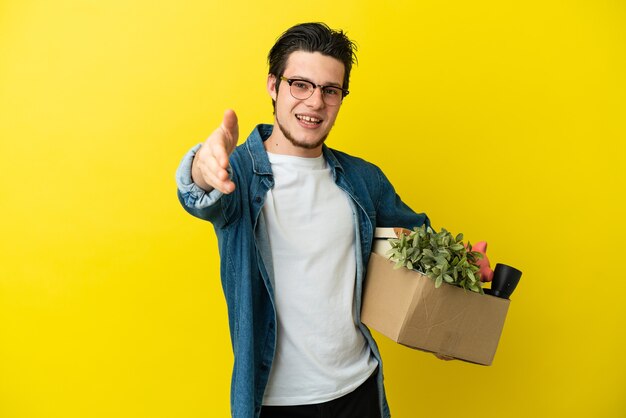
x=257, y=199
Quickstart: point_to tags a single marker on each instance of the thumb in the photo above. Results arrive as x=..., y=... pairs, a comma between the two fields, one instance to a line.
x=230, y=126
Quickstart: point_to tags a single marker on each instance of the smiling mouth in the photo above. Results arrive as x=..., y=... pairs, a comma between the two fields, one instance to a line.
x=309, y=120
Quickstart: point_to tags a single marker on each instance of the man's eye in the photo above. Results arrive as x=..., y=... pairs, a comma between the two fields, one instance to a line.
x=300, y=85
x=331, y=91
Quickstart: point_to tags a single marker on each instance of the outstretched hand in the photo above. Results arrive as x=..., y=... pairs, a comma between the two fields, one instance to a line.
x=210, y=163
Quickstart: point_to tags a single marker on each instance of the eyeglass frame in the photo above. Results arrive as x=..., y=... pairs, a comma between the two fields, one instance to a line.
x=290, y=81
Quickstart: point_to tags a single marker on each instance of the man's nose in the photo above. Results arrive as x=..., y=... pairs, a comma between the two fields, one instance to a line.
x=317, y=98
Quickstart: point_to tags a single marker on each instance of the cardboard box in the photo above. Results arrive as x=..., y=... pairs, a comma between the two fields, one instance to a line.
x=405, y=306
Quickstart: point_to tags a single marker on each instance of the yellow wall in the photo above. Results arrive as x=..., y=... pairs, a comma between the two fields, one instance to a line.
x=502, y=120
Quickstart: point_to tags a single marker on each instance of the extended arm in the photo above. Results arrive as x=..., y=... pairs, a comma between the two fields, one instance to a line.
x=204, y=176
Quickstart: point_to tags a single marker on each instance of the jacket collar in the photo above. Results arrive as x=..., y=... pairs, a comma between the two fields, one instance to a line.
x=261, y=163
x=254, y=143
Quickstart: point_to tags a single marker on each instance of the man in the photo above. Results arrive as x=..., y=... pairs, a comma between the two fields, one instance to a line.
x=295, y=222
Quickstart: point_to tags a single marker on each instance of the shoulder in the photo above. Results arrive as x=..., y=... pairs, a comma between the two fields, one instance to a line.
x=356, y=167
x=351, y=162
x=365, y=179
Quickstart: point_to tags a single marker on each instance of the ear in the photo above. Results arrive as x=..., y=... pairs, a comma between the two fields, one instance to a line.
x=271, y=86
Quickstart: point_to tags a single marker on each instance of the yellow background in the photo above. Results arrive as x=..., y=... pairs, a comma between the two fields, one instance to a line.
x=502, y=120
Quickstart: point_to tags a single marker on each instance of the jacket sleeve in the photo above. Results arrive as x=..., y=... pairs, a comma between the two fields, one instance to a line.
x=391, y=211
x=212, y=206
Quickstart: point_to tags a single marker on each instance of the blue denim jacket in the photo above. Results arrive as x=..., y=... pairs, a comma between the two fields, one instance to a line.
x=246, y=262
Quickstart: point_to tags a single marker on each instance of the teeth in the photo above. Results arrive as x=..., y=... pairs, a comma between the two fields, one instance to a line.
x=308, y=119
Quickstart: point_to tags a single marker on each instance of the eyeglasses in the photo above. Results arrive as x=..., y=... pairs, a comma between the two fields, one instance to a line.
x=303, y=89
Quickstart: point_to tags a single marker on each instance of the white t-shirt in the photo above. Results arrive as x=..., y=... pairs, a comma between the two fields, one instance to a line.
x=321, y=354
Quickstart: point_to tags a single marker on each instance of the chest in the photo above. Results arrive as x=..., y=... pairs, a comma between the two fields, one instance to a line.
x=307, y=206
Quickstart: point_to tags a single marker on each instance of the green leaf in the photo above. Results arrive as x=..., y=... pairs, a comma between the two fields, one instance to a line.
x=438, y=281
x=437, y=255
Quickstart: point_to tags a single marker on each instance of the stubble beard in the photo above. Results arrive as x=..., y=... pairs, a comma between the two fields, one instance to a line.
x=297, y=143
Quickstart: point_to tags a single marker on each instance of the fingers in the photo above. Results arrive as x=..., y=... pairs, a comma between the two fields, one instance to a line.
x=216, y=174
x=209, y=169
x=213, y=164
x=217, y=178
x=217, y=148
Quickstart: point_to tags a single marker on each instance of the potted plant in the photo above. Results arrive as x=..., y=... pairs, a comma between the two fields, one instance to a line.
x=438, y=255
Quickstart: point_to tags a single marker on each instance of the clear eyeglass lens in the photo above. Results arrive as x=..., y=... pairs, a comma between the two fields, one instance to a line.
x=302, y=90
x=332, y=95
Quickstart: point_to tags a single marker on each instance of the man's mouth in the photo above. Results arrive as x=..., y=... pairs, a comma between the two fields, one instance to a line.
x=309, y=120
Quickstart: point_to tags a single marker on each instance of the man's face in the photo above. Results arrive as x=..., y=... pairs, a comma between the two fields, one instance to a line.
x=305, y=124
